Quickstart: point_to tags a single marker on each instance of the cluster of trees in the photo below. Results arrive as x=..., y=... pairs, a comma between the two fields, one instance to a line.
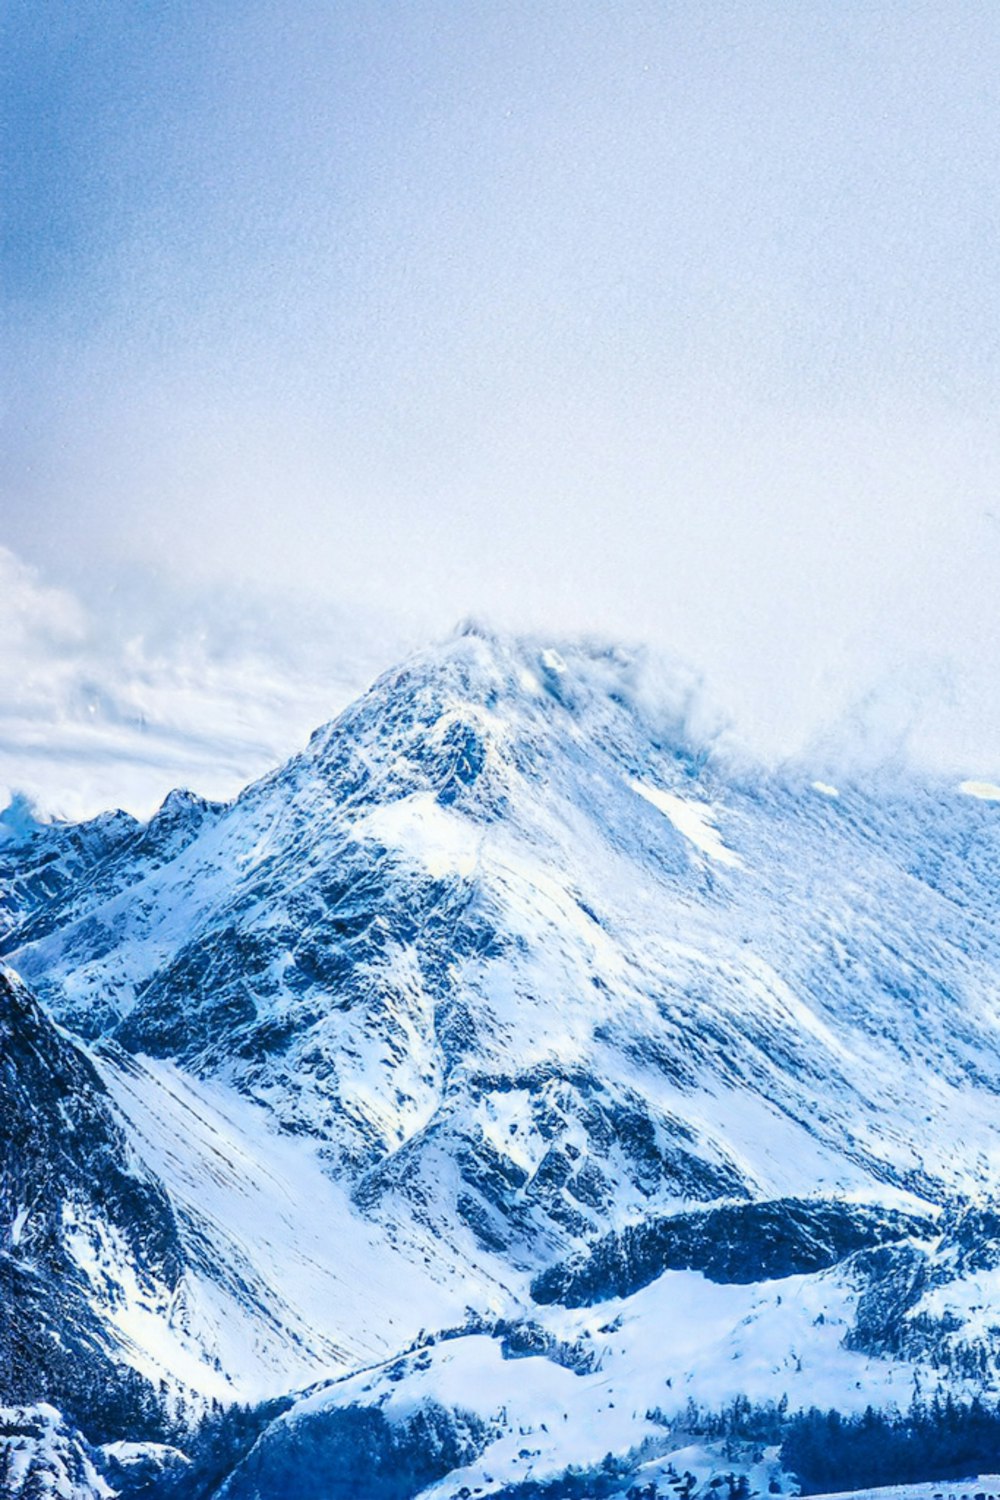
x=739, y=1423
x=941, y=1439
x=936, y=1439
x=574, y=1483
x=214, y=1445
x=738, y=1242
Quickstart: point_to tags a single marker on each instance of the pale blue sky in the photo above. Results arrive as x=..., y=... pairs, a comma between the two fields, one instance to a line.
x=677, y=321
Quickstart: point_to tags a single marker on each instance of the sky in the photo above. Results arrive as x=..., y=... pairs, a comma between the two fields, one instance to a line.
x=328, y=324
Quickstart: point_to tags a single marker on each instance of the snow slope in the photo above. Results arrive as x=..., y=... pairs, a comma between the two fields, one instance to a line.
x=286, y=1279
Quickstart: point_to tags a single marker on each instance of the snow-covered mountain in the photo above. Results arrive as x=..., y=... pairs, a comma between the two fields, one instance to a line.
x=511, y=1069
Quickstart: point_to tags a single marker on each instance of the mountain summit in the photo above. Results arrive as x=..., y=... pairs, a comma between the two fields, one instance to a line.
x=510, y=1009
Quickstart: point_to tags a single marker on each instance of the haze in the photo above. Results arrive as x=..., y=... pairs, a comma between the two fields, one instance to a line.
x=673, y=322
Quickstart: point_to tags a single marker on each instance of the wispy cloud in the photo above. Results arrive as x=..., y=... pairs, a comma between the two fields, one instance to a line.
x=113, y=708
x=674, y=323
x=113, y=703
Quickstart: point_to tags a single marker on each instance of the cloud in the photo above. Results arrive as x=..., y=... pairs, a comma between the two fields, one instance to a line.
x=114, y=708
x=35, y=617
x=428, y=310
x=113, y=700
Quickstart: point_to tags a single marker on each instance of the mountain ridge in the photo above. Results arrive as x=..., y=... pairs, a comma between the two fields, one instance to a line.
x=505, y=965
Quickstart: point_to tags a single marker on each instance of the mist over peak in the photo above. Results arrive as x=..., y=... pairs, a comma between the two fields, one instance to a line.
x=114, y=695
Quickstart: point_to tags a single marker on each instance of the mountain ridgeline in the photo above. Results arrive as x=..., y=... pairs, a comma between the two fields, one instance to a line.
x=505, y=1073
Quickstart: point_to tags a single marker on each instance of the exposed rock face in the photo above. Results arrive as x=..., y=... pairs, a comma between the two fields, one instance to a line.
x=738, y=1244
x=71, y=1189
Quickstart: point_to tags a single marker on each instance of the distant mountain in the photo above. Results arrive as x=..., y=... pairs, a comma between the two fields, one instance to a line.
x=510, y=1025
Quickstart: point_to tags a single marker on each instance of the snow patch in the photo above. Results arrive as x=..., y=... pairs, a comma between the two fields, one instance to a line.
x=41, y=1455
x=982, y=1483
x=986, y=791
x=322, y=1289
x=420, y=827
x=17, y=1227
x=694, y=820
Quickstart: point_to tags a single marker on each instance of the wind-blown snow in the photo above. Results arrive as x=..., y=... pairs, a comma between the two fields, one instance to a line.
x=986, y=791
x=695, y=820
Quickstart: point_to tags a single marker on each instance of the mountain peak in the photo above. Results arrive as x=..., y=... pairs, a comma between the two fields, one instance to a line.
x=19, y=819
x=506, y=973
x=529, y=689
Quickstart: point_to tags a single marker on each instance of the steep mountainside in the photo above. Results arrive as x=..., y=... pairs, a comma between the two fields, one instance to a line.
x=508, y=1009
x=73, y=1195
x=39, y=1455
